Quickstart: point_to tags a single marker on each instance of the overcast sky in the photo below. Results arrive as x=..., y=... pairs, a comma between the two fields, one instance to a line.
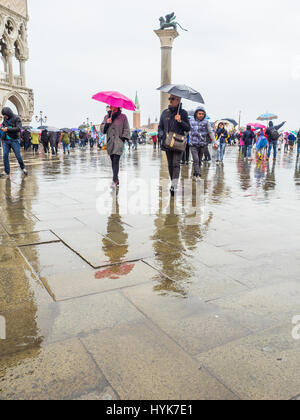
x=240, y=55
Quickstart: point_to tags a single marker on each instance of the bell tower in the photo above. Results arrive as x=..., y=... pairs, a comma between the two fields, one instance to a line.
x=137, y=114
x=13, y=44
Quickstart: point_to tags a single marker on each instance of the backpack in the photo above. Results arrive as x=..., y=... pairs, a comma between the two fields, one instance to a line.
x=274, y=135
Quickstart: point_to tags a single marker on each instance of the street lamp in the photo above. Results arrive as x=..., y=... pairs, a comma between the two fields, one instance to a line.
x=41, y=119
x=87, y=123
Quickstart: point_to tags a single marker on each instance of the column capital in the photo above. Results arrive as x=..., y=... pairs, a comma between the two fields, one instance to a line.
x=10, y=52
x=23, y=58
x=167, y=37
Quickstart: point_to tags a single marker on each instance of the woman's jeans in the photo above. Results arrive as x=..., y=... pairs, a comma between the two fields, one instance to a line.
x=273, y=144
x=16, y=147
x=221, y=152
x=115, y=162
x=248, y=151
x=66, y=148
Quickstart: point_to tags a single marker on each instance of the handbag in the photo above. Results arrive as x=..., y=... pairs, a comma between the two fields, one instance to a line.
x=174, y=141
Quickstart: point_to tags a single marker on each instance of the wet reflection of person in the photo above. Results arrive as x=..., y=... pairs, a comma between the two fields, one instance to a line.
x=297, y=174
x=115, y=226
x=270, y=183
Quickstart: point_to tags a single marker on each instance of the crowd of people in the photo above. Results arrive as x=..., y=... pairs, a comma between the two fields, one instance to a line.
x=180, y=134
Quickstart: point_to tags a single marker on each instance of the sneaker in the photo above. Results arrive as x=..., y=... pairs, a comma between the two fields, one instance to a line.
x=217, y=163
x=25, y=172
x=172, y=191
x=4, y=175
x=198, y=178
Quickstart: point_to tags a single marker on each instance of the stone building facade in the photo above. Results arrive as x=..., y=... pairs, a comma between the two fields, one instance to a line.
x=13, y=43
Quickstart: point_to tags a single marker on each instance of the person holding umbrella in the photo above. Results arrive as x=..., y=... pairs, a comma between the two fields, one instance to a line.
x=173, y=120
x=116, y=127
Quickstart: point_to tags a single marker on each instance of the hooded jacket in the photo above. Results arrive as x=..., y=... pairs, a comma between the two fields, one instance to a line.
x=249, y=136
x=169, y=124
x=201, y=130
x=14, y=125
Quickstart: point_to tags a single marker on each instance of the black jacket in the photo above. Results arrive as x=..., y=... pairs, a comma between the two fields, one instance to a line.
x=172, y=125
x=26, y=136
x=45, y=137
x=249, y=137
x=13, y=123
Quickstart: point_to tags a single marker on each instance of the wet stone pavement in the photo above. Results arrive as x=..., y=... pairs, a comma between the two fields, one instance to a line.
x=101, y=302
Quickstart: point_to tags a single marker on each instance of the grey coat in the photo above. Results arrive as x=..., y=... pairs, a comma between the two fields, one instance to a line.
x=117, y=134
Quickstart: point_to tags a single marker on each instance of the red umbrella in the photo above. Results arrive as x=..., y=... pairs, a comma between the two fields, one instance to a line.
x=115, y=99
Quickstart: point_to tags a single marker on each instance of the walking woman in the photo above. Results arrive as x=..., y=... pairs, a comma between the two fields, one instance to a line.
x=173, y=120
x=117, y=130
x=221, y=138
x=65, y=139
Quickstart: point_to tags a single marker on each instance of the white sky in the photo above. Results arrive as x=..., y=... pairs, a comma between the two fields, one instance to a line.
x=240, y=55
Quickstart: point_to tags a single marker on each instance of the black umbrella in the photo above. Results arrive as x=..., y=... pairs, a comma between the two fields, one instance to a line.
x=183, y=91
x=231, y=121
x=66, y=130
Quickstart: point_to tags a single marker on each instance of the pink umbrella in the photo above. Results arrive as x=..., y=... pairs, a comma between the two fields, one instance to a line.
x=115, y=99
x=256, y=125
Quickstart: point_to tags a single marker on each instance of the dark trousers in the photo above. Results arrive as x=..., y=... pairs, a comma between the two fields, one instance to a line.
x=207, y=154
x=46, y=147
x=35, y=147
x=27, y=145
x=16, y=147
x=115, y=162
x=174, y=159
x=186, y=155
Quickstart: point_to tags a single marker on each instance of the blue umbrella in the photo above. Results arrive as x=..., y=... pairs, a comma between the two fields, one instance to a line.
x=267, y=117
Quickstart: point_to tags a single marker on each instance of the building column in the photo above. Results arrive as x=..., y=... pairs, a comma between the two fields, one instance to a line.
x=22, y=62
x=10, y=55
x=167, y=38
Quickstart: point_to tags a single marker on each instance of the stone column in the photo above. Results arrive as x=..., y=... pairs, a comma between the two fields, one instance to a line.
x=22, y=62
x=166, y=38
x=10, y=67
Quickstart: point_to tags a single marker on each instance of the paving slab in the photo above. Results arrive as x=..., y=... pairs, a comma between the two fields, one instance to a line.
x=81, y=316
x=141, y=363
x=193, y=324
x=264, y=366
x=53, y=372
